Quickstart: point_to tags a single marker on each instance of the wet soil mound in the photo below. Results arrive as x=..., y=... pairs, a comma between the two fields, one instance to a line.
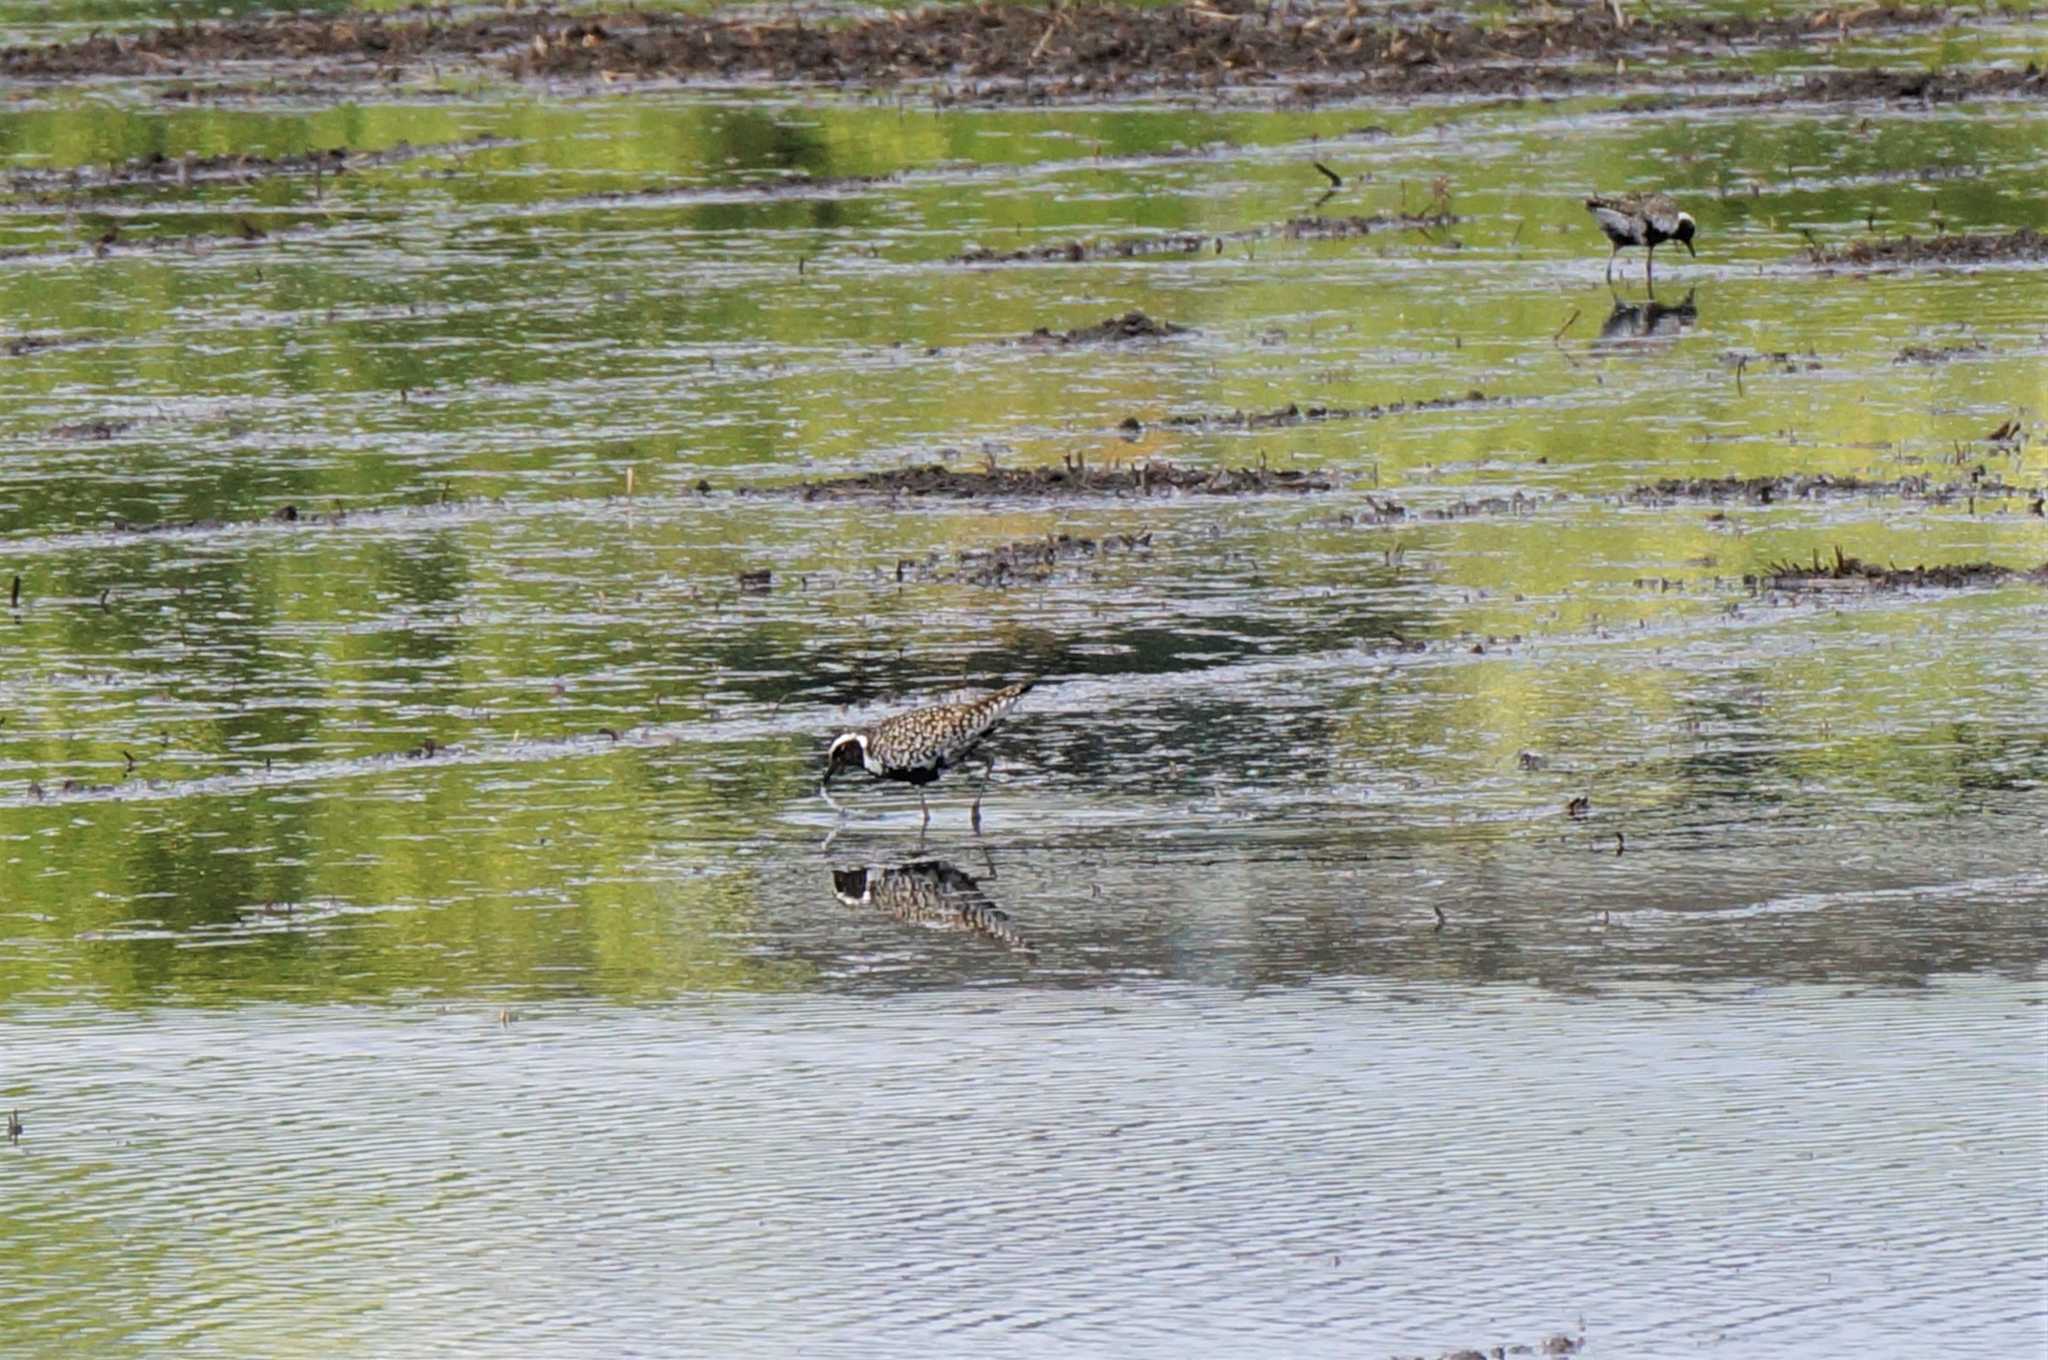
x=18, y=345
x=1849, y=571
x=1075, y=478
x=1129, y=326
x=2026, y=244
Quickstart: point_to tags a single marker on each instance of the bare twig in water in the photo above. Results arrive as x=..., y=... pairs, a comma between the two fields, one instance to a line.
x=1336, y=180
x=1559, y=333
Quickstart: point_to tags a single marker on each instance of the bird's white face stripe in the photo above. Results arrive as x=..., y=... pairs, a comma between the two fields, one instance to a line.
x=860, y=740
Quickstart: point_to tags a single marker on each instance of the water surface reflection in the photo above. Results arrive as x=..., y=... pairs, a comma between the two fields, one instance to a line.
x=931, y=893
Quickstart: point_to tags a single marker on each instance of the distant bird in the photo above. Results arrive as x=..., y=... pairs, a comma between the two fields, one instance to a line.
x=915, y=747
x=929, y=893
x=1646, y=220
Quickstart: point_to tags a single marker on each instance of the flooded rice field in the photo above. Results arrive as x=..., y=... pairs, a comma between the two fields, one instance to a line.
x=1528, y=834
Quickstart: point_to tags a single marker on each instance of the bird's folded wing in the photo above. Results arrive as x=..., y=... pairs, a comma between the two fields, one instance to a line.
x=1615, y=222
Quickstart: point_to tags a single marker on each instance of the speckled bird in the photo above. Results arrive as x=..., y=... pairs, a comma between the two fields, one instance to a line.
x=929, y=893
x=915, y=747
x=1646, y=220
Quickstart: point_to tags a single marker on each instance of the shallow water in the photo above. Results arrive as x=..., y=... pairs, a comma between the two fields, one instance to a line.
x=1284, y=1000
x=1168, y=1169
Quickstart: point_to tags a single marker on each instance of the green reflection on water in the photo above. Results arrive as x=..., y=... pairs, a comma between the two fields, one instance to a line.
x=606, y=285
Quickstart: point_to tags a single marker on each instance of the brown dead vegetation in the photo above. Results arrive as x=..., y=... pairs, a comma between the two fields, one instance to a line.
x=1012, y=52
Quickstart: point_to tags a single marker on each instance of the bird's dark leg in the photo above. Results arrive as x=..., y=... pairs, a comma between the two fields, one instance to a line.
x=1649, y=258
x=927, y=809
x=1613, y=250
x=987, y=772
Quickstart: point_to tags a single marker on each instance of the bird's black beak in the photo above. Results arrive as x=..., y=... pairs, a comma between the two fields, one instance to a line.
x=1689, y=250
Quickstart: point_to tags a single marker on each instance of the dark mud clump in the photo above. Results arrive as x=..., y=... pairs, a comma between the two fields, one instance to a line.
x=1074, y=478
x=91, y=429
x=18, y=345
x=1129, y=326
x=1817, y=486
x=1941, y=354
x=1296, y=414
x=1029, y=561
x=1851, y=572
x=2025, y=245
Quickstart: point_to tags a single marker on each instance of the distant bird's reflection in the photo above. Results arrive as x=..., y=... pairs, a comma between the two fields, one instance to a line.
x=1646, y=325
x=930, y=893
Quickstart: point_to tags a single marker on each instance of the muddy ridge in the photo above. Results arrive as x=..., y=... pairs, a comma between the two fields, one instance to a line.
x=1296, y=414
x=121, y=237
x=1929, y=87
x=1818, y=486
x=1029, y=561
x=1001, y=51
x=1194, y=243
x=2026, y=244
x=1941, y=354
x=1075, y=477
x=158, y=170
x=1850, y=571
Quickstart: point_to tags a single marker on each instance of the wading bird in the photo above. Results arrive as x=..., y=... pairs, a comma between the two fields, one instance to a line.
x=1646, y=220
x=915, y=747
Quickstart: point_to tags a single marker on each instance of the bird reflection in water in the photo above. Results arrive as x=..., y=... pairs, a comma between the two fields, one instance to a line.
x=1646, y=325
x=930, y=893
